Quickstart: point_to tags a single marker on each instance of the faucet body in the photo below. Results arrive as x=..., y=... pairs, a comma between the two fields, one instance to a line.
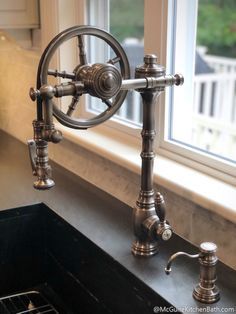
x=206, y=290
x=149, y=213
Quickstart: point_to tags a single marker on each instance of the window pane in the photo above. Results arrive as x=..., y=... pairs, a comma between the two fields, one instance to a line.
x=126, y=24
x=205, y=116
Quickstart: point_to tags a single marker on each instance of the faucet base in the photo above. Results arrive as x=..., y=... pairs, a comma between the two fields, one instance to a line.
x=205, y=295
x=43, y=184
x=141, y=248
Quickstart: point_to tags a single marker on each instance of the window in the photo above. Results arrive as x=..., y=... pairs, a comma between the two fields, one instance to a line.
x=197, y=123
x=201, y=115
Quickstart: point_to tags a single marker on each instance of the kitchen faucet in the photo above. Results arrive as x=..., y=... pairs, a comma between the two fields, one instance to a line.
x=110, y=83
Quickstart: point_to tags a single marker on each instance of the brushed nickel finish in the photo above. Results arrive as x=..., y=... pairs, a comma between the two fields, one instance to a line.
x=206, y=290
x=152, y=82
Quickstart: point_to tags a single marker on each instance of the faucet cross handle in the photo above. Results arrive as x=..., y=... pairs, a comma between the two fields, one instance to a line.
x=206, y=291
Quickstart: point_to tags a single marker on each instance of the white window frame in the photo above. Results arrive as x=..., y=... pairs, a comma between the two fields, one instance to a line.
x=184, y=21
x=56, y=17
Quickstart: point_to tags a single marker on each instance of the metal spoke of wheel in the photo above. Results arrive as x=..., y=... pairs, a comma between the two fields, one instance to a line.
x=63, y=74
x=82, y=53
x=107, y=102
x=72, y=106
x=114, y=60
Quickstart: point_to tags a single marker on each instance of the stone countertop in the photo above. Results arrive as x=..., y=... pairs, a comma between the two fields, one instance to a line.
x=108, y=223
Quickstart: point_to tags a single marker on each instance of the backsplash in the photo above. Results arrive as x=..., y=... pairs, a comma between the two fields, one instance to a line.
x=17, y=73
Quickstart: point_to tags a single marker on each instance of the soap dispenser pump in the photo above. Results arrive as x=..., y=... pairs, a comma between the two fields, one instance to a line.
x=206, y=290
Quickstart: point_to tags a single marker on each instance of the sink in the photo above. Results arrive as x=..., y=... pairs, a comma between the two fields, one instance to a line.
x=41, y=253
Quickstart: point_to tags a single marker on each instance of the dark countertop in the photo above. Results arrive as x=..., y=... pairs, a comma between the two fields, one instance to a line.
x=108, y=223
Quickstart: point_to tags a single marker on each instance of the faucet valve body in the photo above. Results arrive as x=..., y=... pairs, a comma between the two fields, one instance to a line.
x=149, y=213
x=206, y=290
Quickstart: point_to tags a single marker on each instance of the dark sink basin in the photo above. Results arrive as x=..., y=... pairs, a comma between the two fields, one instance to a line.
x=40, y=251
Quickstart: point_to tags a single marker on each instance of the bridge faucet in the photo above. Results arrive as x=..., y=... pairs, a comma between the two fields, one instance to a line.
x=110, y=83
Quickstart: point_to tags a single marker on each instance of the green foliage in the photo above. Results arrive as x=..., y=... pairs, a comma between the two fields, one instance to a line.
x=216, y=23
x=126, y=18
x=217, y=26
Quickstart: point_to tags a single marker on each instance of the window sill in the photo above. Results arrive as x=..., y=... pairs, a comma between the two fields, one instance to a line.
x=200, y=188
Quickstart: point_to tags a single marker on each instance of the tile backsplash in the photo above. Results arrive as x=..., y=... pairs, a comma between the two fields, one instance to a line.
x=18, y=70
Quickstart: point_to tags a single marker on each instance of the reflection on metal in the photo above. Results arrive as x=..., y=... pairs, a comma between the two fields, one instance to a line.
x=206, y=291
x=109, y=82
